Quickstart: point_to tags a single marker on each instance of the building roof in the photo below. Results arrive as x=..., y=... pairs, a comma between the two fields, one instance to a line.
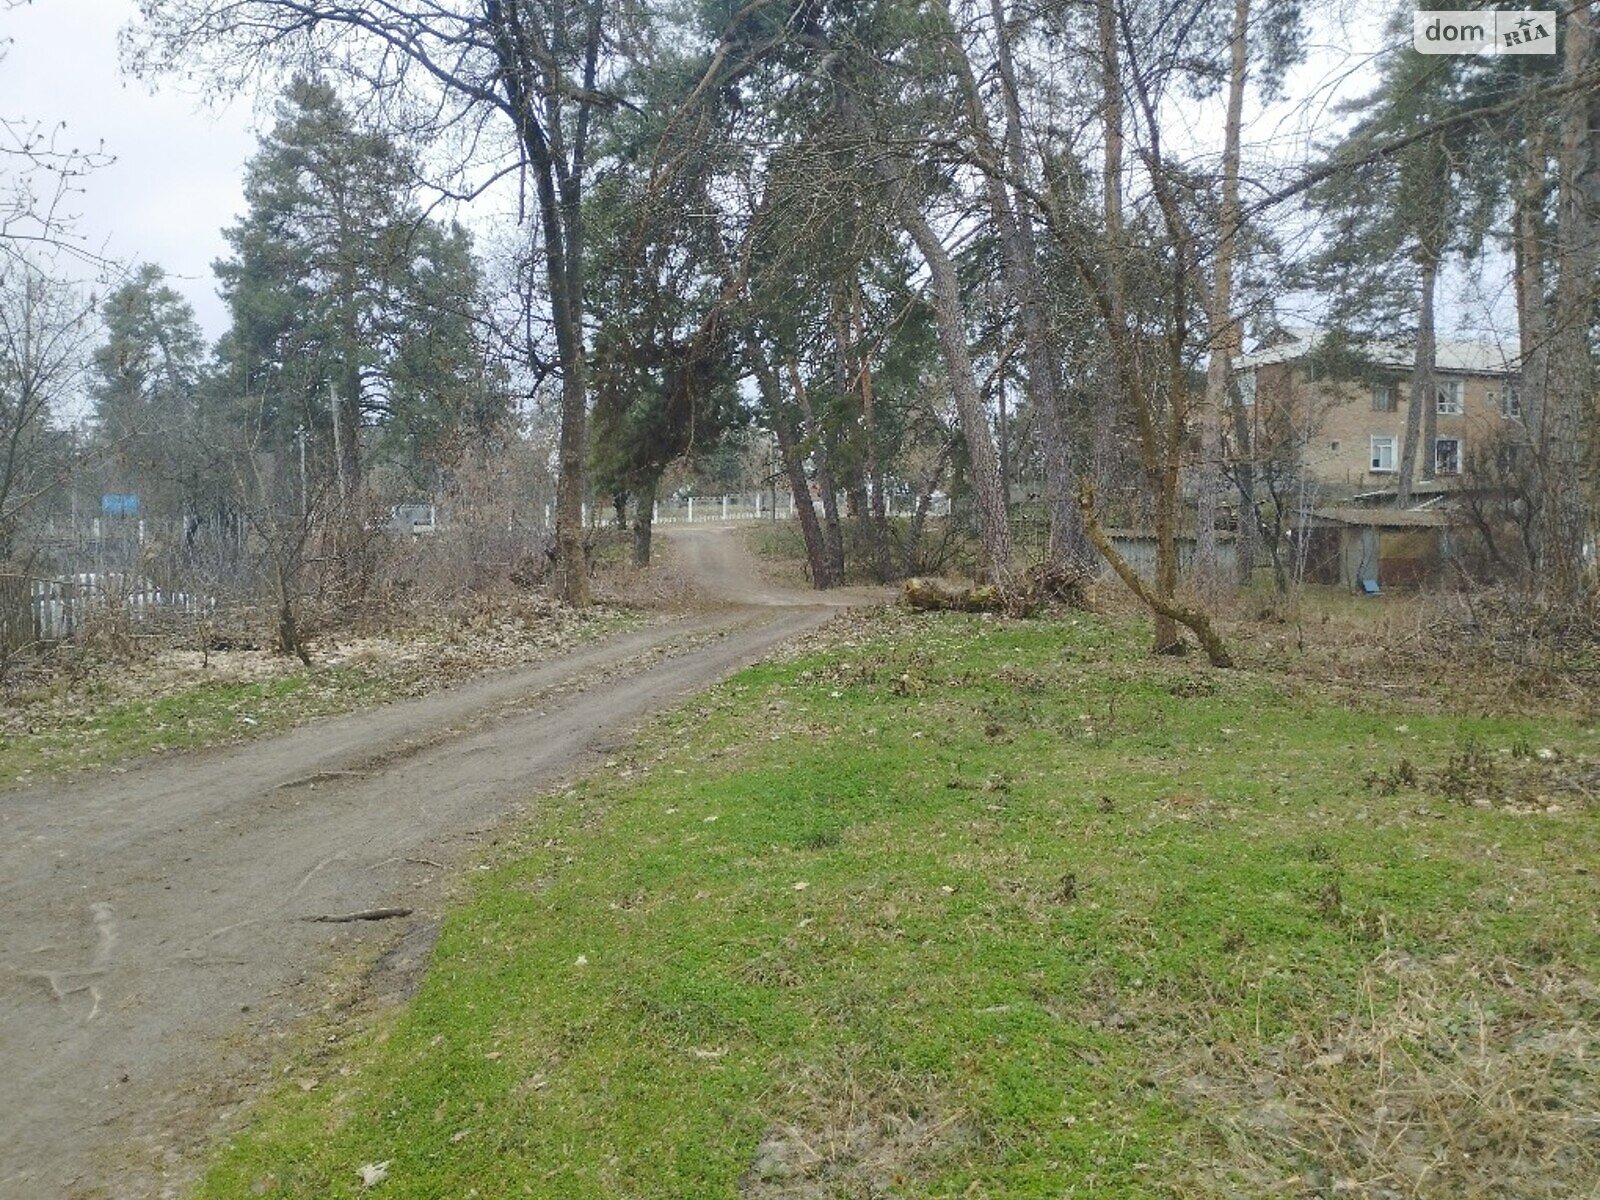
x=1387, y=518
x=1480, y=357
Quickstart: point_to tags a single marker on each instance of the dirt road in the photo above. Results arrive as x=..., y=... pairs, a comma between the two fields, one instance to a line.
x=154, y=932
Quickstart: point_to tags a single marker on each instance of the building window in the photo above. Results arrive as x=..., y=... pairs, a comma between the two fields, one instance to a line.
x=1447, y=456
x=1383, y=398
x=1333, y=445
x=1247, y=388
x=1451, y=397
x=1383, y=453
x=1511, y=402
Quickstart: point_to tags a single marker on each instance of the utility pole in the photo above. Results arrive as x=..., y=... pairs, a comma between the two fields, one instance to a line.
x=338, y=437
x=305, y=492
x=1005, y=452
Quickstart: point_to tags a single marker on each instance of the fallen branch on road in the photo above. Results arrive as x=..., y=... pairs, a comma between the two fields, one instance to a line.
x=366, y=914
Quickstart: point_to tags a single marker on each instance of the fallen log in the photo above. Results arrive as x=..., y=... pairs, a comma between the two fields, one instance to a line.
x=923, y=594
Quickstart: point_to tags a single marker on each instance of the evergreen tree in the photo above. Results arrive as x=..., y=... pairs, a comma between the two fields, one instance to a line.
x=1394, y=222
x=349, y=306
x=147, y=391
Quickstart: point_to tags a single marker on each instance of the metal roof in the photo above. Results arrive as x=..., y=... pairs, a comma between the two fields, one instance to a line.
x=1481, y=357
x=1387, y=518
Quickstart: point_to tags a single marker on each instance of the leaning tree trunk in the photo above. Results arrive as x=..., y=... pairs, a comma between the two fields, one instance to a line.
x=982, y=459
x=944, y=295
x=805, y=510
x=1165, y=607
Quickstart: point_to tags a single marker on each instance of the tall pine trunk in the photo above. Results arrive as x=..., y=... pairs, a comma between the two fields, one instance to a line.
x=1533, y=320
x=1533, y=316
x=1224, y=330
x=1568, y=401
x=1424, y=392
x=783, y=429
x=1156, y=448
x=1068, y=549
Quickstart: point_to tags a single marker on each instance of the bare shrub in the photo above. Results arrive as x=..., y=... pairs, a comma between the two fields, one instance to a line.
x=1537, y=641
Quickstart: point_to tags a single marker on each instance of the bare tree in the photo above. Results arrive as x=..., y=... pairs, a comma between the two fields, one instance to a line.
x=44, y=331
x=538, y=66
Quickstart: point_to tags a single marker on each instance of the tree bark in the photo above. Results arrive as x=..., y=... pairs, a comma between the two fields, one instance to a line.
x=1158, y=451
x=805, y=511
x=982, y=459
x=1164, y=606
x=1068, y=548
x=558, y=183
x=1424, y=398
x=944, y=296
x=644, y=513
x=1247, y=529
x=877, y=513
x=1533, y=317
x=832, y=533
x=1224, y=330
x=1567, y=410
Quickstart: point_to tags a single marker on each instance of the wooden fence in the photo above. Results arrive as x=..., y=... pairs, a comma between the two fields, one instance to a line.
x=50, y=610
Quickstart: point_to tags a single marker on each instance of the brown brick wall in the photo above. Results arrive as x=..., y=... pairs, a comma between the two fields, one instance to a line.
x=1338, y=455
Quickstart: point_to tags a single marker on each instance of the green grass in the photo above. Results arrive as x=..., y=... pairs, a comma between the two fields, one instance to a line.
x=958, y=907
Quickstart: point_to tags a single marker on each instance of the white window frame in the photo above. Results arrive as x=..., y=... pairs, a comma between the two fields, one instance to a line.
x=1438, y=467
x=1511, y=402
x=1246, y=382
x=1451, y=397
x=1374, y=459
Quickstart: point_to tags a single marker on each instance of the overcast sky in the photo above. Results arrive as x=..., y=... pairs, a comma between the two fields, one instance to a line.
x=176, y=180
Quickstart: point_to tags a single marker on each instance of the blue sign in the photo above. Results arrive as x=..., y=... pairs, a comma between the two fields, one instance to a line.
x=113, y=505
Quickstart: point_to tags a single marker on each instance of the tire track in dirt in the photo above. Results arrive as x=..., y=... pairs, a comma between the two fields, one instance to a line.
x=153, y=941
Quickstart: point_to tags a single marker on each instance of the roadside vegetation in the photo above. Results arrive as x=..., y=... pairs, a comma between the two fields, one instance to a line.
x=97, y=701
x=943, y=906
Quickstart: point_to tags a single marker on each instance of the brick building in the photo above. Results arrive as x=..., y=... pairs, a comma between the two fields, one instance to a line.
x=1347, y=433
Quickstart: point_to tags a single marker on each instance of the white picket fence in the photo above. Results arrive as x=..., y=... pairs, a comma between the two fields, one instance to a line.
x=748, y=506
x=61, y=606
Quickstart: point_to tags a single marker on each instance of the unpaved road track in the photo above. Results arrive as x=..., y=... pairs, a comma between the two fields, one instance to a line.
x=153, y=932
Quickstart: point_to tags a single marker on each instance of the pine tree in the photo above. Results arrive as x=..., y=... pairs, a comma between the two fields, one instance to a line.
x=349, y=306
x=147, y=388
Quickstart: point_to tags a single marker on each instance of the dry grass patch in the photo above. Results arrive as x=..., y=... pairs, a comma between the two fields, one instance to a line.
x=1449, y=1081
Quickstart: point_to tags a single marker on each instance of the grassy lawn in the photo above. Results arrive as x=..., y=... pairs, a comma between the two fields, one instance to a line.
x=951, y=907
